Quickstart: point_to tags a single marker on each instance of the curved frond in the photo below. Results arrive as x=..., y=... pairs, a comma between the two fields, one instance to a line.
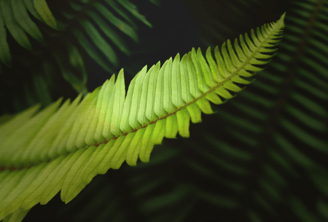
x=282, y=123
x=64, y=148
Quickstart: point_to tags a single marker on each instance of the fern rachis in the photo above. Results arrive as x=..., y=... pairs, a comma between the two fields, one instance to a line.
x=63, y=149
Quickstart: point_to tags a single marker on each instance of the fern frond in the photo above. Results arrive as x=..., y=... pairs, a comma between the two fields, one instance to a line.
x=63, y=149
x=104, y=33
x=285, y=119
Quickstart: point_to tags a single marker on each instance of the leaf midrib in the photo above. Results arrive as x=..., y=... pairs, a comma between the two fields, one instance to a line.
x=179, y=108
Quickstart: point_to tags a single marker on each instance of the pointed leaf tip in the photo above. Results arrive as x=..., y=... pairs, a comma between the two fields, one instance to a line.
x=42, y=8
x=282, y=18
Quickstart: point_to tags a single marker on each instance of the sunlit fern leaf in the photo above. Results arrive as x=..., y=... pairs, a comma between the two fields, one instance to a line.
x=17, y=216
x=304, y=120
x=64, y=148
x=295, y=118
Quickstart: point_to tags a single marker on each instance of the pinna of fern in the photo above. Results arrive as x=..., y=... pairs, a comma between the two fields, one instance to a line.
x=64, y=148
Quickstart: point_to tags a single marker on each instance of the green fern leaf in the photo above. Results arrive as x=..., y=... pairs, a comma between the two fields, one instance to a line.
x=63, y=149
x=42, y=8
x=25, y=21
x=5, y=55
x=14, y=28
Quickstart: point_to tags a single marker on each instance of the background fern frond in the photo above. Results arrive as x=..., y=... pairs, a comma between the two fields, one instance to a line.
x=281, y=121
x=56, y=42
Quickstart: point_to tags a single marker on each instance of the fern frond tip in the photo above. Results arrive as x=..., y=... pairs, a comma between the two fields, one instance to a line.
x=282, y=18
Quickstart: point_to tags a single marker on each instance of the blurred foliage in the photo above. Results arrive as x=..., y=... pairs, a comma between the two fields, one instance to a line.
x=42, y=49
